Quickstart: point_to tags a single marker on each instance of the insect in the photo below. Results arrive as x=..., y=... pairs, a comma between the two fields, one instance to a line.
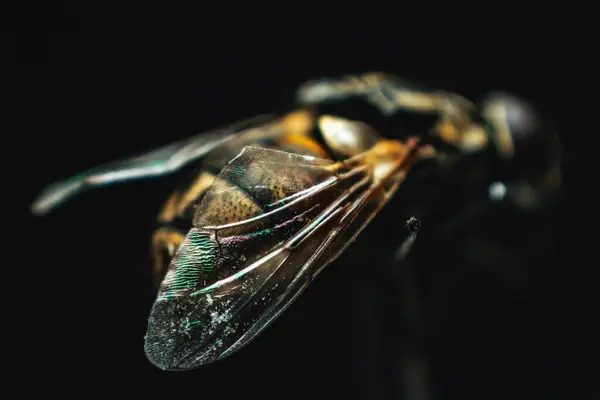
x=277, y=198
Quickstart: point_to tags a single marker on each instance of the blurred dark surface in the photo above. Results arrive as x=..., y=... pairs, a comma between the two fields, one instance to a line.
x=85, y=96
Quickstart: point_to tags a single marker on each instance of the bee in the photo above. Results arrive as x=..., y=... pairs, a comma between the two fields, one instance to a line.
x=275, y=199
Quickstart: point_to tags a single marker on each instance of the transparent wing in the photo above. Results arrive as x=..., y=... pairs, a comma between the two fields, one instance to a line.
x=270, y=223
x=162, y=161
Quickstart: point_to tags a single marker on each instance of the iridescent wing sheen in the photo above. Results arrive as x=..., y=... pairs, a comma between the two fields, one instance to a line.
x=159, y=162
x=268, y=225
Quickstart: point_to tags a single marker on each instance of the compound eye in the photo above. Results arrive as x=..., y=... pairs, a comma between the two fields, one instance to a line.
x=531, y=145
x=517, y=127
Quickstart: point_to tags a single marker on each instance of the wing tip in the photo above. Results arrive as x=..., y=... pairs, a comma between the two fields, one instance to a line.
x=52, y=196
x=41, y=206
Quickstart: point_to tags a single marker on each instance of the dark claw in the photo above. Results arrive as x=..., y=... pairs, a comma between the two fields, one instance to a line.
x=413, y=224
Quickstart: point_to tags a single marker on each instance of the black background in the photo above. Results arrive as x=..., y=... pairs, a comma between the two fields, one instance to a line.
x=93, y=85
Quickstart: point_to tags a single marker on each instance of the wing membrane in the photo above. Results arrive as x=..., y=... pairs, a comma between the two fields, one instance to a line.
x=159, y=162
x=265, y=256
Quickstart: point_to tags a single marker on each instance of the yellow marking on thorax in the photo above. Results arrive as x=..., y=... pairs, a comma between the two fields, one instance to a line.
x=474, y=138
x=347, y=137
x=297, y=127
x=300, y=121
x=305, y=142
x=448, y=132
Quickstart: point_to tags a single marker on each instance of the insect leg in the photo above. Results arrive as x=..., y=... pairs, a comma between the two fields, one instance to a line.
x=387, y=92
x=165, y=243
x=452, y=114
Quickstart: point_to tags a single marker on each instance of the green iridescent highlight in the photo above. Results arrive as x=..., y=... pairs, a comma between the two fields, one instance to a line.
x=238, y=171
x=192, y=324
x=198, y=254
x=261, y=233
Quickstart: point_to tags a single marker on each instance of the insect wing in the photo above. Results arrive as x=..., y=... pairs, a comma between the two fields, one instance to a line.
x=270, y=222
x=159, y=162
